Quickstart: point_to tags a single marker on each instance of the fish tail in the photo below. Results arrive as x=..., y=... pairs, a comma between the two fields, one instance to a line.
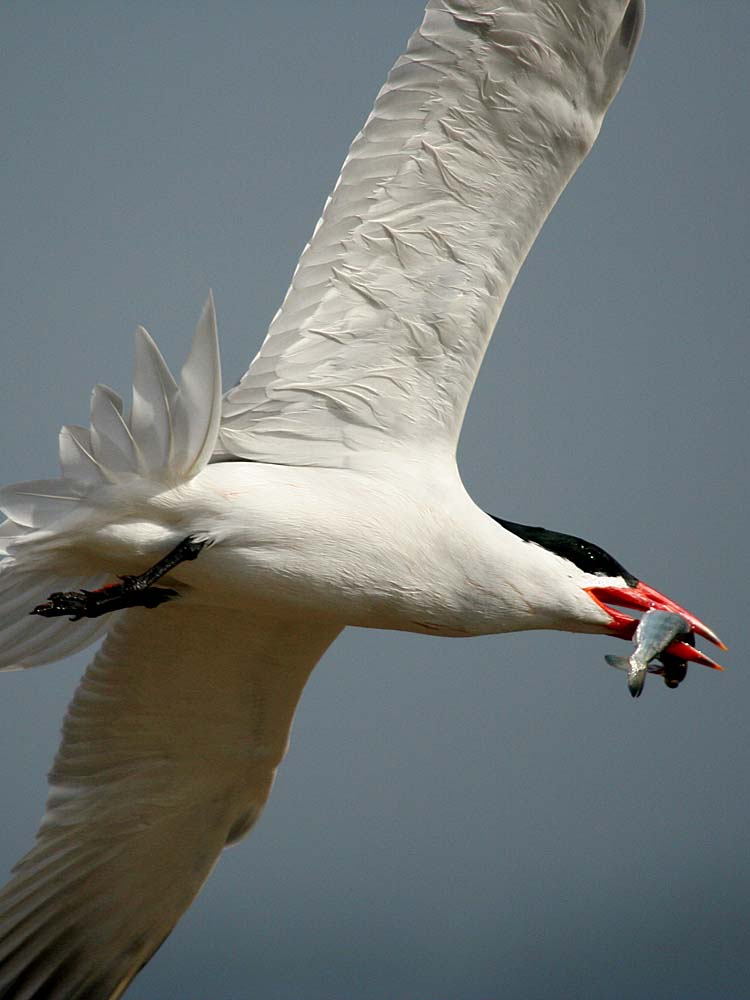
x=618, y=662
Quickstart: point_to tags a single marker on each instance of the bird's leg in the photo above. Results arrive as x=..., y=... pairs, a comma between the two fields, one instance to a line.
x=130, y=592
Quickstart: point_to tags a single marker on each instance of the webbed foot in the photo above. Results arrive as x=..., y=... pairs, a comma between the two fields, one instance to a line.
x=93, y=603
x=131, y=592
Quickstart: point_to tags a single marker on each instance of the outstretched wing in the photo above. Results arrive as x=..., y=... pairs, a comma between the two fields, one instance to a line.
x=476, y=132
x=169, y=750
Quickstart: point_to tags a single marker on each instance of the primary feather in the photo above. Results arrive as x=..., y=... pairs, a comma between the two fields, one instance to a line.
x=138, y=813
x=477, y=130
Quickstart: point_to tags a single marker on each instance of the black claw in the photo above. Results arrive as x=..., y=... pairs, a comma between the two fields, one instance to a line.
x=73, y=603
x=130, y=592
x=94, y=603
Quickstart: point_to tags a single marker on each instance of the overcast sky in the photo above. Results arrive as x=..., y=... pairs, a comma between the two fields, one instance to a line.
x=487, y=819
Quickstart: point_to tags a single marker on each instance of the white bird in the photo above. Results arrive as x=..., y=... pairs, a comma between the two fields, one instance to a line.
x=323, y=492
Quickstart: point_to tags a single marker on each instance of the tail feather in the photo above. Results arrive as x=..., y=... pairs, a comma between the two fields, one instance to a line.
x=167, y=439
x=154, y=399
x=10, y=532
x=37, y=503
x=77, y=459
x=198, y=405
x=111, y=438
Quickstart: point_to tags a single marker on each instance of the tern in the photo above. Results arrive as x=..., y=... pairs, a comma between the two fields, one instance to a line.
x=221, y=543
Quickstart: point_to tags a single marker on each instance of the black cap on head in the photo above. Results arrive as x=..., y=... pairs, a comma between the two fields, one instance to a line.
x=585, y=555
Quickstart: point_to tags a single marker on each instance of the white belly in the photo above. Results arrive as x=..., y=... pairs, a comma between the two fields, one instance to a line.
x=408, y=552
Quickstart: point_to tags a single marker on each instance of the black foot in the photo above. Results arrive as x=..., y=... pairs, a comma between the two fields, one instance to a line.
x=94, y=603
x=131, y=592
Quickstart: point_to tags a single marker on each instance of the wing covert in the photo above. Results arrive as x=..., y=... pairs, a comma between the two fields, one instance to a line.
x=477, y=130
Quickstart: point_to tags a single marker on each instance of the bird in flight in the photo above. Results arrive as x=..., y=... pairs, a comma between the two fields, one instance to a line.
x=220, y=543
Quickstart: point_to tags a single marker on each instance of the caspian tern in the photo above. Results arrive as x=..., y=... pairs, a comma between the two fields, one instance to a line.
x=321, y=492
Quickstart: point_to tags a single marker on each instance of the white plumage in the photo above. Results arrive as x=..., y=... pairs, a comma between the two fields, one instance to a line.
x=477, y=130
x=328, y=490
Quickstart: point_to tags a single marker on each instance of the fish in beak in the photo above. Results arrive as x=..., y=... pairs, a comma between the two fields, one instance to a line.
x=655, y=633
x=641, y=597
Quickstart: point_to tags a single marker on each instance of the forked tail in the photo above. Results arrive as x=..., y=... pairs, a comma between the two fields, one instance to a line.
x=167, y=438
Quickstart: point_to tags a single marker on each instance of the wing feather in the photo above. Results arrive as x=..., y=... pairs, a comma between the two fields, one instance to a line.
x=169, y=750
x=476, y=132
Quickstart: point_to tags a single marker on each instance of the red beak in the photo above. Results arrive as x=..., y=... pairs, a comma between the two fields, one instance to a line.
x=641, y=597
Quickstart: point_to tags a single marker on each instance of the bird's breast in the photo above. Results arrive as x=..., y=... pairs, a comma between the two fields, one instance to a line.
x=350, y=547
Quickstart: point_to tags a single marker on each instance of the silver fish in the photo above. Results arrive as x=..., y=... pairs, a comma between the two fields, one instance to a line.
x=656, y=630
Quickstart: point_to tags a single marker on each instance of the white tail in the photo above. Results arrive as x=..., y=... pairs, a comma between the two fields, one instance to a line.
x=168, y=438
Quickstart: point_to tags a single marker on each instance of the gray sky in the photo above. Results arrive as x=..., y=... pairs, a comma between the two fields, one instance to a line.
x=476, y=819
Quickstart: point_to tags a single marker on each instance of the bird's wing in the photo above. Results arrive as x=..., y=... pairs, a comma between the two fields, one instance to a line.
x=168, y=753
x=476, y=132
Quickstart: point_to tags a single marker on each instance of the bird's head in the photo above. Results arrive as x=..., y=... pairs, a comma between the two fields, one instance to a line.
x=611, y=588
